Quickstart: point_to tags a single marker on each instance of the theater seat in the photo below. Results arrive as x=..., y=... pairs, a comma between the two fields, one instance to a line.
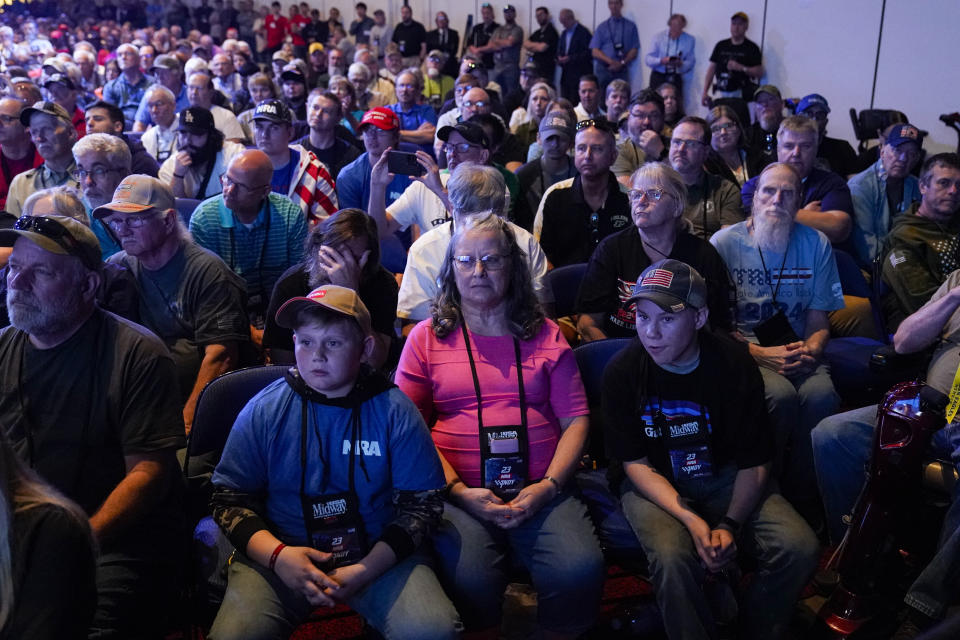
x=185, y=209
x=565, y=284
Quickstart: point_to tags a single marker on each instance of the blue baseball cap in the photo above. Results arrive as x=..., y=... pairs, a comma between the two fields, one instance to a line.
x=813, y=100
x=903, y=133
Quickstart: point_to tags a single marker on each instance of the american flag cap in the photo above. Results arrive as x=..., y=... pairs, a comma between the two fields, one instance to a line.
x=672, y=285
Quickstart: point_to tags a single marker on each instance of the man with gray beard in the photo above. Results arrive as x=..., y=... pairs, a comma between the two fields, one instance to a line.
x=343, y=250
x=89, y=402
x=786, y=279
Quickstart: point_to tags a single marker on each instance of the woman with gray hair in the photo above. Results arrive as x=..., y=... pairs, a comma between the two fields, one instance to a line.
x=499, y=387
x=658, y=196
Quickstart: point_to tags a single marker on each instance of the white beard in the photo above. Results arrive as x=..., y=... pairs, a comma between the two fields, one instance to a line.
x=772, y=233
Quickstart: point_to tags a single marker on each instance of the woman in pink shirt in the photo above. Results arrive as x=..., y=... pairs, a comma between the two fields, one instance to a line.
x=509, y=442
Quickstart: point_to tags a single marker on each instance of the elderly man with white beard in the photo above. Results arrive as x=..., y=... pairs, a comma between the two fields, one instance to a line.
x=787, y=282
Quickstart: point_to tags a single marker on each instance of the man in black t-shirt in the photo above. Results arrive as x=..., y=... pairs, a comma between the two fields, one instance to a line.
x=324, y=112
x=683, y=412
x=89, y=400
x=188, y=296
x=542, y=45
x=411, y=37
x=481, y=33
x=833, y=154
x=735, y=64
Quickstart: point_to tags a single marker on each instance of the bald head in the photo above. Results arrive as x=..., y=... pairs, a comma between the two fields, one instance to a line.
x=247, y=183
x=255, y=165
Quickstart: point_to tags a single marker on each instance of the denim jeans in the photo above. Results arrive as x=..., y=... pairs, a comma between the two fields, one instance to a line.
x=796, y=405
x=784, y=546
x=842, y=446
x=557, y=545
x=405, y=602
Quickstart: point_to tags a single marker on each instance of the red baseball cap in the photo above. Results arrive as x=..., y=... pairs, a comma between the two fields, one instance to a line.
x=381, y=118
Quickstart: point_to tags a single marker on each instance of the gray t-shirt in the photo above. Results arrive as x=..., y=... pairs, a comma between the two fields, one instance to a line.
x=510, y=55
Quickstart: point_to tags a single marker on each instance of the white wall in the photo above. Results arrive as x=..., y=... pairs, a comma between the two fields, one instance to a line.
x=809, y=46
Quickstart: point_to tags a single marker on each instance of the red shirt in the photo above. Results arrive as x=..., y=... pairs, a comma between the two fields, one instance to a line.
x=277, y=29
x=303, y=21
x=79, y=122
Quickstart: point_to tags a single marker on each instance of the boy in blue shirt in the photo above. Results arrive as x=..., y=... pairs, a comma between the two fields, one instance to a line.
x=328, y=486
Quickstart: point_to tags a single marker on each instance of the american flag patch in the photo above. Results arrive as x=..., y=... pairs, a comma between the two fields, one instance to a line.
x=896, y=259
x=657, y=277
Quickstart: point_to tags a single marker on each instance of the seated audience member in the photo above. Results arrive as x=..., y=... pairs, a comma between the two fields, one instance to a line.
x=541, y=94
x=62, y=90
x=824, y=197
x=324, y=112
x=693, y=499
x=47, y=557
x=435, y=83
x=102, y=162
x=187, y=295
x=297, y=173
x=258, y=233
x=103, y=117
x=833, y=154
x=507, y=150
x=383, y=90
x=308, y=532
x=577, y=213
x=126, y=91
x=657, y=200
x=782, y=314
x=588, y=91
x=506, y=483
x=343, y=250
x=168, y=71
x=471, y=190
x=380, y=131
x=923, y=247
x=200, y=92
x=227, y=81
x=418, y=122
x=53, y=135
x=712, y=202
x=884, y=190
x=516, y=98
x=644, y=140
x=19, y=154
x=672, y=106
x=196, y=170
x=341, y=87
x=842, y=445
x=293, y=83
x=359, y=76
x=617, y=101
x=764, y=132
x=260, y=86
x=102, y=422
x=727, y=157
x=160, y=140
x=452, y=116
x=424, y=203
x=555, y=136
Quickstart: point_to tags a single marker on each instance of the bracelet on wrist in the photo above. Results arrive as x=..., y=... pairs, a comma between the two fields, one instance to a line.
x=450, y=485
x=275, y=555
x=731, y=525
x=554, y=482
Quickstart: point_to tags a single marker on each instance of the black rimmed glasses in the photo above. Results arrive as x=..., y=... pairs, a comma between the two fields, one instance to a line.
x=490, y=262
x=461, y=148
x=96, y=174
x=227, y=181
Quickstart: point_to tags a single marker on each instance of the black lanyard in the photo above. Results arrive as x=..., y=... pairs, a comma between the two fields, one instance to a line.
x=263, y=247
x=766, y=274
x=476, y=381
x=325, y=478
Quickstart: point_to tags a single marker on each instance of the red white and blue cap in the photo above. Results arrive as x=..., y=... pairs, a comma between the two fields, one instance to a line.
x=671, y=285
x=902, y=133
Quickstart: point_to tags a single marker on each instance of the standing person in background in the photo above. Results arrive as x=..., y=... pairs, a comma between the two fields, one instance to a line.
x=482, y=32
x=541, y=46
x=381, y=34
x=573, y=54
x=277, y=27
x=411, y=37
x=735, y=64
x=615, y=45
x=505, y=45
x=447, y=40
x=671, y=56
x=360, y=28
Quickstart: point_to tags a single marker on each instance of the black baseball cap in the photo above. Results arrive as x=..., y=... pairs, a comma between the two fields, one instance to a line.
x=471, y=132
x=274, y=111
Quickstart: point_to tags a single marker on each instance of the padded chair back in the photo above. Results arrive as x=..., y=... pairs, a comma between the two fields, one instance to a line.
x=592, y=359
x=185, y=209
x=868, y=122
x=851, y=278
x=565, y=284
x=133, y=136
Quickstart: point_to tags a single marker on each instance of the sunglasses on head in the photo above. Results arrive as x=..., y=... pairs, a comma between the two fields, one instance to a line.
x=597, y=123
x=50, y=228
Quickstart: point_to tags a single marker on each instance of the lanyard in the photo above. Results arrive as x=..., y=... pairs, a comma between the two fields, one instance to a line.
x=766, y=273
x=355, y=419
x=263, y=248
x=476, y=381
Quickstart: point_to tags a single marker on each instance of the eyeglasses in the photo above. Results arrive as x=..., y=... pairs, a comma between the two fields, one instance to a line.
x=726, y=126
x=131, y=222
x=490, y=262
x=81, y=174
x=50, y=228
x=598, y=123
x=681, y=142
x=479, y=104
x=227, y=181
x=463, y=147
x=636, y=195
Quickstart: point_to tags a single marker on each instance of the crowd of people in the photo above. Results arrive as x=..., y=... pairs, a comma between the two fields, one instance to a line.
x=191, y=190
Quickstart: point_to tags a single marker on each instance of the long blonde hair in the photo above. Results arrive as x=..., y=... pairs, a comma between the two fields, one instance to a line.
x=22, y=489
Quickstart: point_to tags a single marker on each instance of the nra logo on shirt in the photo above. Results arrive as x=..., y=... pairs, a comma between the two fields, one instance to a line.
x=365, y=447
